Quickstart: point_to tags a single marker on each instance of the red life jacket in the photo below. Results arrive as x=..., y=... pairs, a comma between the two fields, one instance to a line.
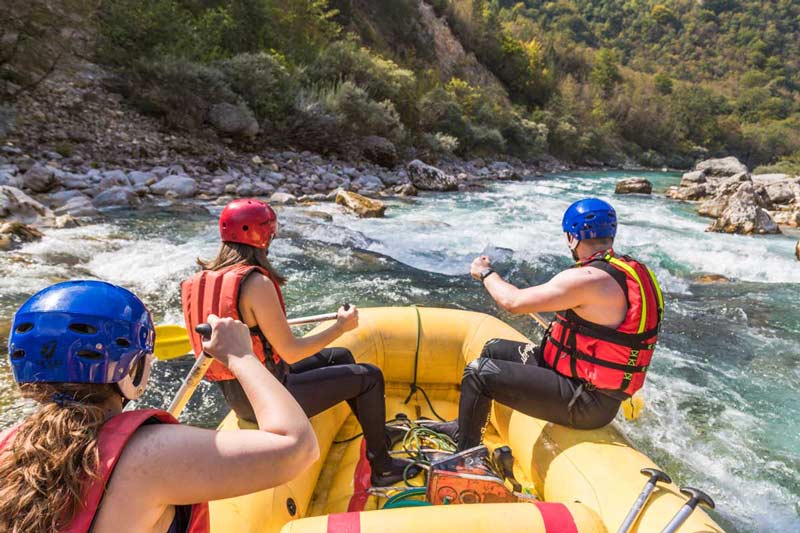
x=217, y=292
x=609, y=359
x=111, y=441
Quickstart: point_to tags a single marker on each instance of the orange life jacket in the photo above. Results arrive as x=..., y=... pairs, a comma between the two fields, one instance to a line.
x=217, y=292
x=610, y=359
x=111, y=441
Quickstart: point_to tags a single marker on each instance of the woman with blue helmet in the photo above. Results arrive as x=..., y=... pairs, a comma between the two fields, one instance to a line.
x=82, y=349
x=595, y=352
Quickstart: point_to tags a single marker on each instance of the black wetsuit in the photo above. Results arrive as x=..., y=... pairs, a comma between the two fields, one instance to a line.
x=515, y=374
x=323, y=380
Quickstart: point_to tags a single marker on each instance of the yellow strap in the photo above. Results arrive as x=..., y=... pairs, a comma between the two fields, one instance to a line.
x=630, y=270
x=658, y=291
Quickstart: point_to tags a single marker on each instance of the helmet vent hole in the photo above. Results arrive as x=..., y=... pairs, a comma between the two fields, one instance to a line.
x=23, y=328
x=84, y=329
x=90, y=354
x=245, y=227
x=122, y=341
x=17, y=354
x=590, y=216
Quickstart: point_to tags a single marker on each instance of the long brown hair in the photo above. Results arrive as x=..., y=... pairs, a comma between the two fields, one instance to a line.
x=233, y=253
x=52, y=456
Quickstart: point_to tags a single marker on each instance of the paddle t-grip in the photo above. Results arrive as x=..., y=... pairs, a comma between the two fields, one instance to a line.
x=204, y=330
x=696, y=496
x=504, y=459
x=655, y=476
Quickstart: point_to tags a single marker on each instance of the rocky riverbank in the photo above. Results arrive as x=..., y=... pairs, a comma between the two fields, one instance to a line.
x=738, y=201
x=76, y=149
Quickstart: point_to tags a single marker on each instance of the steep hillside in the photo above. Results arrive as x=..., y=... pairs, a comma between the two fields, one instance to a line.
x=590, y=81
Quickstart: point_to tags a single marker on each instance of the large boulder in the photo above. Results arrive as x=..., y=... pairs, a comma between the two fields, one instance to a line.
x=116, y=197
x=790, y=216
x=379, y=150
x=15, y=205
x=177, y=186
x=12, y=234
x=694, y=177
x=781, y=189
x=726, y=166
x=235, y=120
x=691, y=192
x=633, y=185
x=78, y=206
x=360, y=205
x=743, y=214
x=429, y=178
x=39, y=178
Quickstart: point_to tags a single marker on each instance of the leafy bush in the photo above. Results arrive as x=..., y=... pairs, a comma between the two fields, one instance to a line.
x=333, y=118
x=179, y=90
x=264, y=81
x=381, y=78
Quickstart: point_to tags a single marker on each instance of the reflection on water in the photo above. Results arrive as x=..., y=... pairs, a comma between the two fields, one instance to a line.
x=722, y=410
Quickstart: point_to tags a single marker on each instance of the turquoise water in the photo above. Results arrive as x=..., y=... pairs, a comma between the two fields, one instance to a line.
x=722, y=396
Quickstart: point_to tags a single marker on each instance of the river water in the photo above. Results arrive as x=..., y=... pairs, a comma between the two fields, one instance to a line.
x=722, y=395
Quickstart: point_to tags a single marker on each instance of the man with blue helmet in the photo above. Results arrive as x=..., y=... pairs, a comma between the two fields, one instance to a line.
x=595, y=352
x=82, y=349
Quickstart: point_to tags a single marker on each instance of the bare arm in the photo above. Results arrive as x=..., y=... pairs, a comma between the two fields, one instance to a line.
x=175, y=465
x=567, y=290
x=259, y=300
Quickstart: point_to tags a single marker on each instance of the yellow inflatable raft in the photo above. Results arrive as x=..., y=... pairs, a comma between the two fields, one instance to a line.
x=586, y=480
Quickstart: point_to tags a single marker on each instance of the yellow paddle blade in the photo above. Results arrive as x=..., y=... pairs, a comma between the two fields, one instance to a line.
x=171, y=342
x=632, y=407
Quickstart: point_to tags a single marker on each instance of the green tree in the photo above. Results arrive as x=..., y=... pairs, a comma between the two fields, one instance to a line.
x=605, y=73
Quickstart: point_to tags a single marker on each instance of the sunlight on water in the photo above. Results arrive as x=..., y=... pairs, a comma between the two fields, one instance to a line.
x=722, y=411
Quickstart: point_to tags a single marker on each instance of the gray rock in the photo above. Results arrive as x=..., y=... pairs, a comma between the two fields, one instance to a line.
x=57, y=199
x=507, y=174
x=236, y=120
x=17, y=206
x=379, y=150
x=245, y=188
x=116, y=197
x=726, y=166
x=393, y=178
x=367, y=184
x=406, y=189
x=497, y=166
x=7, y=174
x=430, y=178
x=76, y=181
x=39, y=178
x=13, y=234
x=178, y=186
x=743, y=214
x=633, y=185
x=263, y=188
x=79, y=206
x=283, y=198
x=693, y=178
x=781, y=189
x=139, y=178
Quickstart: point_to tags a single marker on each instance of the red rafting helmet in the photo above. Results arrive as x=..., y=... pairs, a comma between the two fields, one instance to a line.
x=248, y=221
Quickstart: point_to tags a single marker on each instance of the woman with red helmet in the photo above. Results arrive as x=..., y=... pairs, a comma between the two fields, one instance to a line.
x=241, y=283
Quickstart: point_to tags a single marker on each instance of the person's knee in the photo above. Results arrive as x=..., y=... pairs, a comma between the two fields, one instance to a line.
x=477, y=372
x=341, y=356
x=489, y=348
x=369, y=372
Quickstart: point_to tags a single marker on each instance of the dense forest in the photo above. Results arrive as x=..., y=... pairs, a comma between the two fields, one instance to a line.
x=611, y=81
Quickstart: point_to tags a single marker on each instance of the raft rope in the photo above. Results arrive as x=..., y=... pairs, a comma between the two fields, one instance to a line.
x=413, y=385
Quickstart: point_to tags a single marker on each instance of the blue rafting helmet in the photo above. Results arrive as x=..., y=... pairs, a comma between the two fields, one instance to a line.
x=590, y=218
x=83, y=332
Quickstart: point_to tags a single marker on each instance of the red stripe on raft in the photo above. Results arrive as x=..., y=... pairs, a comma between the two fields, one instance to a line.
x=361, y=482
x=344, y=523
x=557, y=518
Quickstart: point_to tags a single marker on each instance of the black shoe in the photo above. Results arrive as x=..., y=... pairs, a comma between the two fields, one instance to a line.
x=447, y=428
x=392, y=472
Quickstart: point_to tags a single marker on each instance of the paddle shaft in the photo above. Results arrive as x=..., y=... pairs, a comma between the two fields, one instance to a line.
x=538, y=318
x=202, y=363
